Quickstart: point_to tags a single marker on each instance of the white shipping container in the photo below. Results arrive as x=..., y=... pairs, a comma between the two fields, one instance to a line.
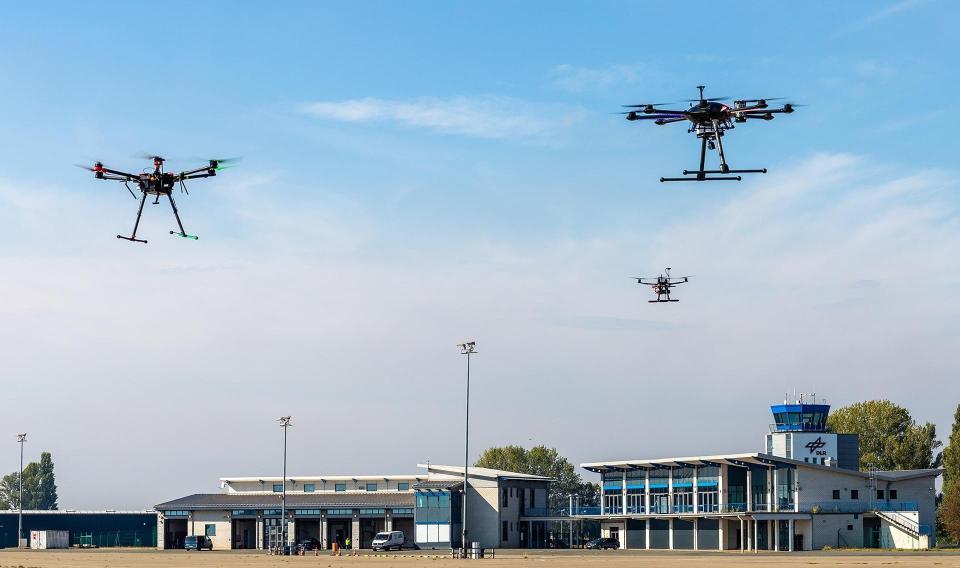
x=49, y=539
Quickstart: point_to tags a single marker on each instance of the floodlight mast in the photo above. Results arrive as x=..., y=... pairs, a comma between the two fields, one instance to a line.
x=21, y=438
x=284, y=423
x=467, y=348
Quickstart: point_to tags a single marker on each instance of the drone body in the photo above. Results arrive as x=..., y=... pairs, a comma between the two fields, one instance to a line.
x=661, y=285
x=157, y=183
x=710, y=119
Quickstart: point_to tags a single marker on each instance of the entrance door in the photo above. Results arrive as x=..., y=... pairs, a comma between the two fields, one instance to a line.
x=615, y=534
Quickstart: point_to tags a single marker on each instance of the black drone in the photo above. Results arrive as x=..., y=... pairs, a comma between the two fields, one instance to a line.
x=661, y=285
x=157, y=183
x=710, y=118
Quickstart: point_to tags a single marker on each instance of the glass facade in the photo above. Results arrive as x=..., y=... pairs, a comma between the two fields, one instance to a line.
x=683, y=490
x=785, y=483
x=660, y=490
x=758, y=488
x=708, y=494
x=736, y=489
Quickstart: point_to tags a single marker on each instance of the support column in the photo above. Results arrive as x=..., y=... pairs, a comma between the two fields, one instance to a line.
x=741, y=539
x=646, y=497
x=623, y=496
x=749, y=536
x=722, y=488
x=258, y=536
x=722, y=523
x=790, y=534
x=696, y=499
x=670, y=532
x=603, y=494
x=646, y=532
x=324, y=543
x=749, y=489
x=388, y=522
x=670, y=500
x=696, y=544
x=756, y=536
x=292, y=531
x=776, y=535
x=775, y=500
x=355, y=533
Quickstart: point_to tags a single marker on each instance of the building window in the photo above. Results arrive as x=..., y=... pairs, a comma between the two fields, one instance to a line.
x=789, y=442
x=210, y=530
x=371, y=487
x=769, y=444
x=403, y=486
x=504, y=500
x=309, y=487
x=505, y=531
x=533, y=498
x=278, y=488
x=879, y=493
x=854, y=493
x=836, y=493
x=807, y=460
x=893, y=493
x=849, y=527
x=340, y=487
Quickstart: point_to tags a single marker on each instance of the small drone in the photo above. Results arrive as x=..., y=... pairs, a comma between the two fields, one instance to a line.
x=661, y=285
x=157, y=183
x=710, y=118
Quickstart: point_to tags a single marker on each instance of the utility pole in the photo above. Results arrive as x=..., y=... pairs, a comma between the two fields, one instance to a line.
x=468, y=348
x=284, y=423
x=20, y=438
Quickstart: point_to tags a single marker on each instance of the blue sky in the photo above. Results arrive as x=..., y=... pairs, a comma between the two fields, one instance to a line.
x=416, y=174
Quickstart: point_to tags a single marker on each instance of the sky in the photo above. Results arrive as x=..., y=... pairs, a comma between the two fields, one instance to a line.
x=419, y=174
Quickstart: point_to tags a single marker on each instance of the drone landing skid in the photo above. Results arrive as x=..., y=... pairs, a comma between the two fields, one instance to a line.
x=132, y=239
x=660, y=301
x=184, y=235
x=701, y=175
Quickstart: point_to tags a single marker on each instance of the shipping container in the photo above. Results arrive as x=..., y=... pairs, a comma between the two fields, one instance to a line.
x=49, y=539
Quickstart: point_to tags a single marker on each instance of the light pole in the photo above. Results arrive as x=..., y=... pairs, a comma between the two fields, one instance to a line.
x=284, y=423
x=468, y=348
x=20, y=438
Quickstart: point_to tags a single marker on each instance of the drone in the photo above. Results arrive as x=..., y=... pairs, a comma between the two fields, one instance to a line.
x=157, y=183
x=710, y=119
x=661, y=285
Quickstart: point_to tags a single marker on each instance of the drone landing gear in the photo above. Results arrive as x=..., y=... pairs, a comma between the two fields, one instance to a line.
x=182, y=233
x=660, y=301
x=133, y=236
x=701, y=174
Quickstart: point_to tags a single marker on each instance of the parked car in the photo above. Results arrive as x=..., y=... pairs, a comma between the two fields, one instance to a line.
x=602, y=543
x=557, y=543
x=388, y=540
x=197, y=543
x=310, y=543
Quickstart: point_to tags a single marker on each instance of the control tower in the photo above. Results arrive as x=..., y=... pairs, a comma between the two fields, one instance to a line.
x=799, y=432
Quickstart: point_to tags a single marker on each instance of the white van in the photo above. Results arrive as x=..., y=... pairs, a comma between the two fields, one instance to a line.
x=388, y=540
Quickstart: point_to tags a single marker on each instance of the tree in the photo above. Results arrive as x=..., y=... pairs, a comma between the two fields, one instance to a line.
x=46, y=484
x=949, y=513
x=39, y=486
x=10, y=491
x=539, y=460
x=889, y=437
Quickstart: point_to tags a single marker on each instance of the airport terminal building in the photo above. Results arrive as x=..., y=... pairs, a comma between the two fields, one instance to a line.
x=803, y=492
x=426, y=507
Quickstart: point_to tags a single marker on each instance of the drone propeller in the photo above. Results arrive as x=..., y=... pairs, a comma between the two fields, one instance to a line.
x=647, y=105
x=764, y=99
x=223, y=163
x=710, y=100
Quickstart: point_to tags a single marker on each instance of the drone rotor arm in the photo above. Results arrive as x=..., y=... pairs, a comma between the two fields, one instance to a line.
x=121, y=175
x=188, y=175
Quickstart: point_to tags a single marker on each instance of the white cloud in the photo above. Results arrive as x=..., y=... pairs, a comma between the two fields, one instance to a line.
x=578, y=79
x=485, y=116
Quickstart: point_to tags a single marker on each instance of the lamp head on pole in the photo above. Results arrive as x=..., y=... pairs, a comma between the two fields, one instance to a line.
x=22, y=437
x=284, y=421
x=468, y=348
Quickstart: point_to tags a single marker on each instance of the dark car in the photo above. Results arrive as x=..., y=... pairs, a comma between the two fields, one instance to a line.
x=557, y=543
x=197, y=543
x=602, y=543
x=310, y=543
